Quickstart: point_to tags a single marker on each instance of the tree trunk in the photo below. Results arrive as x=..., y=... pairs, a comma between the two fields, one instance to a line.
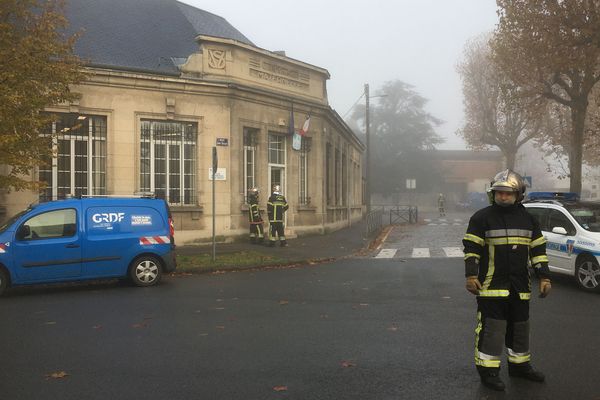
x=576, y=153
x=510, y=154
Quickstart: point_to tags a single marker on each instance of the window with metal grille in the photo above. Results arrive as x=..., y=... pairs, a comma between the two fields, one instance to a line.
x=250, y=144
x=78, y=164
x=303, y=190
x=168, y=160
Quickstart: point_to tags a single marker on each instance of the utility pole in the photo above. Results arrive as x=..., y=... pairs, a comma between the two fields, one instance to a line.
x=368, y=165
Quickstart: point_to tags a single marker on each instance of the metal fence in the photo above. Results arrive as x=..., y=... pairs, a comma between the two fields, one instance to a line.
x=378, y=217
x=374, y=221
x=404, y=214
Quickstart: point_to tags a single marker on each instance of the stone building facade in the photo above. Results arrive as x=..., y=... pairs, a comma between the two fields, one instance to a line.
x=143, y=125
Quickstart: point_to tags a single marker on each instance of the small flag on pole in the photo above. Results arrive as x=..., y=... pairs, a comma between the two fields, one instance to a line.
x=304, y=129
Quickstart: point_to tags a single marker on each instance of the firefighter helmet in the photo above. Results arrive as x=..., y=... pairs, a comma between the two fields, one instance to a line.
x=508, y=181
x=253, y=194
x=276, y=189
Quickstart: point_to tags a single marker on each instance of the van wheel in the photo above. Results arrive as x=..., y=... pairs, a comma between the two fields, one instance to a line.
x=145, y=271
x=3, y=280
x=587, y=274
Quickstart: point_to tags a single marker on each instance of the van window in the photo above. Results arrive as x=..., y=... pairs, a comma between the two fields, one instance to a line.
x=52, y=224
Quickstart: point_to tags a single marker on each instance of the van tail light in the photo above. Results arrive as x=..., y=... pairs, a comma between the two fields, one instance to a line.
x=171, y=228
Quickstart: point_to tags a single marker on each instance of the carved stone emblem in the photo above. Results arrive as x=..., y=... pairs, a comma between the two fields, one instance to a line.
x=216, y=59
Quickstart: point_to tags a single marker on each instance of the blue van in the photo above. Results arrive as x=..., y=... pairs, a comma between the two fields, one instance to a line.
x=88, y=238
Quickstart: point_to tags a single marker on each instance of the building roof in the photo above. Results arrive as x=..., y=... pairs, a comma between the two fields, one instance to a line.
x=146, y=35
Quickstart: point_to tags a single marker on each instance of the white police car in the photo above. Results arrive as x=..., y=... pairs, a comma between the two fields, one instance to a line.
x=572, y=231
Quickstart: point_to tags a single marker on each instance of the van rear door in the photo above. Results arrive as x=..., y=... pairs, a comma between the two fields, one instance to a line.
x=47, y=246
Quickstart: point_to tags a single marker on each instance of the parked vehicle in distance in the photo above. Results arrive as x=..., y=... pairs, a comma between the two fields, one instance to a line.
x=88, y=238
x=572, y=231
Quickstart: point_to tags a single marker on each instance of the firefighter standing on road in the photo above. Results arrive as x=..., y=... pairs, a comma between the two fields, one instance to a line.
x=276, y=208
x=256, y=222
x=442, y=205
x=499, y=242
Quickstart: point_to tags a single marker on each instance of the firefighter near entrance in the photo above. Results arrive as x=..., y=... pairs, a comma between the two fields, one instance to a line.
x=276, y=208
x=500, y=241
x=256, y=222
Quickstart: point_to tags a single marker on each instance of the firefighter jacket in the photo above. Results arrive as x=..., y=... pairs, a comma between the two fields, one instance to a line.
x=254, y=214
x=276, y=207
x=499, y=244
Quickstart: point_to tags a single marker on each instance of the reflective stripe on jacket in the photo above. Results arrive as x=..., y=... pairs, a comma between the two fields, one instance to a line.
x=499, y=244
x=276, y=207
x=254, y=214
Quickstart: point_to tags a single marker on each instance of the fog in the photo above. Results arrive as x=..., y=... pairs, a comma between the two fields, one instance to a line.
x=416, y=41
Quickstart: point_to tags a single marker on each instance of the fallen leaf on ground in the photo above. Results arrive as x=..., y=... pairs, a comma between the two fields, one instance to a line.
x=280, y=388
x=283, y=302
x=57, y=375
x=138, y=326
x=97, y=327
x=220, y=327
x=50, y=323
x=348, y=364
x=393, y=328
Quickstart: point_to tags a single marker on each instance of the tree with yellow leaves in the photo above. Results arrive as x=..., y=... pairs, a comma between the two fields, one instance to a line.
x=551, y=48
x=37, y=67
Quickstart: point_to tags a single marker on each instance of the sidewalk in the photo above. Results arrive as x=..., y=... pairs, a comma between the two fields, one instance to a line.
x=341, y=243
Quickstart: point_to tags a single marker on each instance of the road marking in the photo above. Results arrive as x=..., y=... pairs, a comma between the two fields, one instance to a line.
x=427, y=220
x=442, y=219
x=458, y=220
x=386, y=253
x=456, y=224
x=443, y=223
x=421, y=252
x=453, y=252
x=433, y=223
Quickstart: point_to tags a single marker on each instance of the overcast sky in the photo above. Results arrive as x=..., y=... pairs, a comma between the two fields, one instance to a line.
x=372, y=41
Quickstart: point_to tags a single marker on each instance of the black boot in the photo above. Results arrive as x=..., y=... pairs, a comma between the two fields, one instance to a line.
x=525, y=372
x=490, y=377
x=283, y=243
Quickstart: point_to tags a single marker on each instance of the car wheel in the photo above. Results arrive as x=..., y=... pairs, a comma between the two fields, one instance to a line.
x=3, y=280
x=145, y=271
x=587, y=274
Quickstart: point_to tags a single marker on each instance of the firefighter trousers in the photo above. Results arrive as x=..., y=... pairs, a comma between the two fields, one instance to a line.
x=501, y=322
x=276, y=229
x=256, y=232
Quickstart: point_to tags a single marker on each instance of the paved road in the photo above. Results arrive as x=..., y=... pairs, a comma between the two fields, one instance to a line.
x=354, y=329
x=436, y=237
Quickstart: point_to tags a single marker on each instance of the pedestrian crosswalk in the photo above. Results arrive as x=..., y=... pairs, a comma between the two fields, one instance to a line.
x=422, y=252
x=445, y=222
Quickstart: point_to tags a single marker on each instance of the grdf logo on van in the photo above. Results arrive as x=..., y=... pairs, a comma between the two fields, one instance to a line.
x=108, y=217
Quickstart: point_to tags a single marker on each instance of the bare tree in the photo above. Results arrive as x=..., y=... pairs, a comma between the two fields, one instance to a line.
x=496, y=112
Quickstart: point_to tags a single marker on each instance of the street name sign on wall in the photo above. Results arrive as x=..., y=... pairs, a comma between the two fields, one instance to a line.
x=221, y=141
x=220, y=175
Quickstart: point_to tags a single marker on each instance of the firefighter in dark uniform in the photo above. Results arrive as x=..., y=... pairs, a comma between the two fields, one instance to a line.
x=500, y=241
x=276, y=208
x=442, y=205
x=256, y=222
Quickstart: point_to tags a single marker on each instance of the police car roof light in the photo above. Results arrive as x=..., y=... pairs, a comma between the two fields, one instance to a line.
x=566, y=196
